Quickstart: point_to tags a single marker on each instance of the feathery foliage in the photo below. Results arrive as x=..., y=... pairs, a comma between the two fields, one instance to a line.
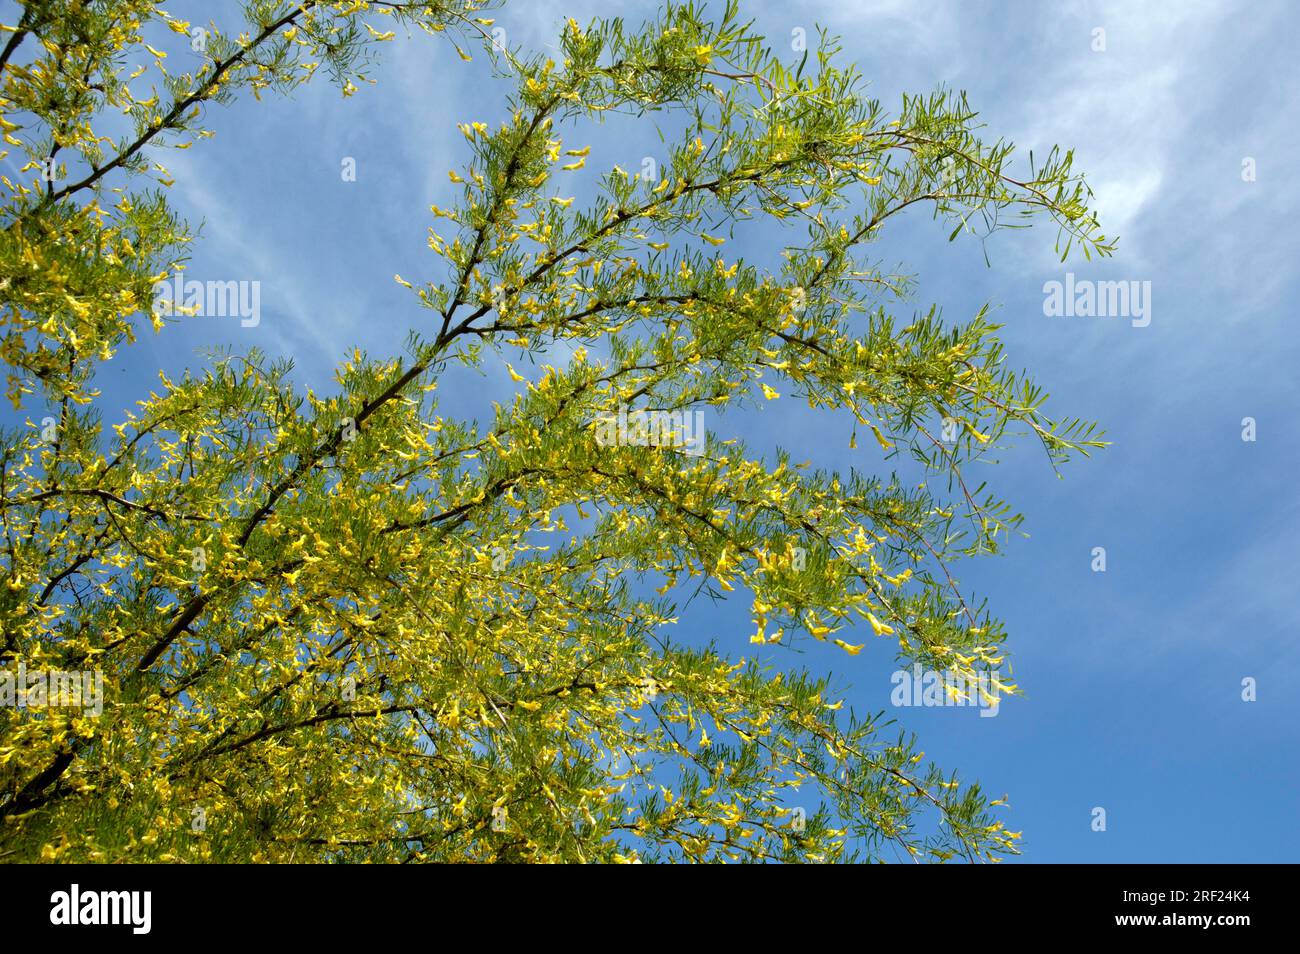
x=346, y=627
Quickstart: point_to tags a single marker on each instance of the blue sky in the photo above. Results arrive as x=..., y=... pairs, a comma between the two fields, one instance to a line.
x=1133, y=676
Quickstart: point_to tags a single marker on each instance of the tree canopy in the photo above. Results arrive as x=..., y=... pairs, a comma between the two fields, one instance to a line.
x=342, y=626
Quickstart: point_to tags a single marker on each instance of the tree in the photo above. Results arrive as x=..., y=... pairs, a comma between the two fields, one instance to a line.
x=346, y=627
